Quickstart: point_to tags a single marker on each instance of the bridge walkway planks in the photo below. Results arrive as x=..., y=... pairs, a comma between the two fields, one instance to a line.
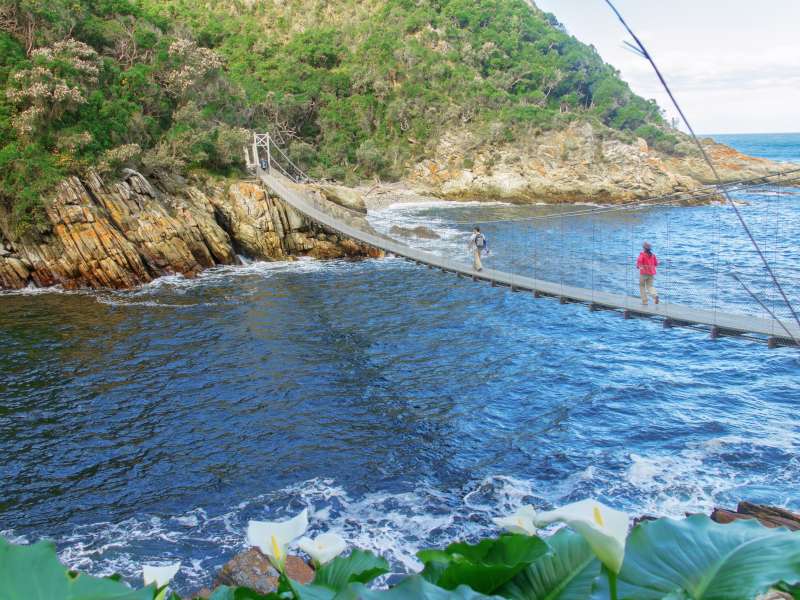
x=719, y=323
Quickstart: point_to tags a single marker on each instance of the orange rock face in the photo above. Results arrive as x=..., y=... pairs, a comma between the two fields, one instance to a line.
x=127, y=233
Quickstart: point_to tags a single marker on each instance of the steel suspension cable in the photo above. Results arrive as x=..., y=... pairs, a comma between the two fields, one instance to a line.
x=777, y=240
x=644, y=53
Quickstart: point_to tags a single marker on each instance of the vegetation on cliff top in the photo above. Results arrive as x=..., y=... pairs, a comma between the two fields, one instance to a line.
x=355, y=89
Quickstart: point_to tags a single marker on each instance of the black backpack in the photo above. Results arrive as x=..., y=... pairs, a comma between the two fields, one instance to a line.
x=480, y=241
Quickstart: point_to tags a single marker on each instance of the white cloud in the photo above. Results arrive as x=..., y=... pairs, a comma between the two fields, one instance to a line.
x=734, y=65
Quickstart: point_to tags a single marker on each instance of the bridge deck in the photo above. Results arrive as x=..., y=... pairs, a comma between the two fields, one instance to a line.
x=720, y=323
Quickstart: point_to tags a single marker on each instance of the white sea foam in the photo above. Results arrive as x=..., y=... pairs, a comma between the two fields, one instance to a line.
x=10, y=536
x=694, y=478
x=417, y=204
x=179, y=284
x=394, y=525
x=398, y=524
x=149, y=303
x=31, y=290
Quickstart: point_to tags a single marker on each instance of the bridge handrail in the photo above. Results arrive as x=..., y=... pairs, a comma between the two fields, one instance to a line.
x=671, y=313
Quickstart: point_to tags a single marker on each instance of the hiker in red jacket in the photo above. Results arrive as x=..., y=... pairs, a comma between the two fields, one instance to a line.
x=647, y=263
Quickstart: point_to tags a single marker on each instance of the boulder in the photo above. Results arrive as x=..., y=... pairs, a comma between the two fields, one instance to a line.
x=769, y=516
x=253, y=570
x=419, y=231
x=345, y=197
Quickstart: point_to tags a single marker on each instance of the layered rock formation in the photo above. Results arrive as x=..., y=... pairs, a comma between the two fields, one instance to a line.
x=126, y=233
x=577, y=163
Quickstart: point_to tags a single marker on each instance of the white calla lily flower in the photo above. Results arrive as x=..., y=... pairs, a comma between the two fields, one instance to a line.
x=324, y=548
x=522, y=521
x=603, y=528
x=272, y=537
x=160, y=575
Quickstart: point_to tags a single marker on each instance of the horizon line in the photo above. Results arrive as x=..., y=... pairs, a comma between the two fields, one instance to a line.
x=752, y=133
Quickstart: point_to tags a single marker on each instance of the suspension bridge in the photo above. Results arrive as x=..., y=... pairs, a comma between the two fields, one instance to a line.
x=587, y=254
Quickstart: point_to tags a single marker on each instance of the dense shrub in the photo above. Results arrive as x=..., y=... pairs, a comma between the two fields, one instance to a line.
x=365, y=84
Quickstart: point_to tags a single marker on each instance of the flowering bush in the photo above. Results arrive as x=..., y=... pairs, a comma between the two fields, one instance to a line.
x=57, y=83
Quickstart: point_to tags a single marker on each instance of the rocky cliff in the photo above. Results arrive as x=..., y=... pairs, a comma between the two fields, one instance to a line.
x=579, y=163
x=126, y=233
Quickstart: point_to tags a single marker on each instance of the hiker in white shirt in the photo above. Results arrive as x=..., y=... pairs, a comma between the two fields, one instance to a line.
x=477, y=244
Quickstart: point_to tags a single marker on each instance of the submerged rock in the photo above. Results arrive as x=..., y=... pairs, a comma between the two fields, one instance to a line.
x=126, y=233
x=418, y=232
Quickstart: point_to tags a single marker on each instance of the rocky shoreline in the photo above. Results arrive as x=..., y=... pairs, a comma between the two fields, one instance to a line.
x=252, y=569
x=124, y=234
x=578, y=163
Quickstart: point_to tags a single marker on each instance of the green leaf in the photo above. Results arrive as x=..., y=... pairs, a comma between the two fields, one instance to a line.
x=411, y=588
x=360, y=566
x=568, y=573
x=312, y=592
x=706, y=560
x=792, y=590
x=484, y=566
x=34, y=573
x=224, y=592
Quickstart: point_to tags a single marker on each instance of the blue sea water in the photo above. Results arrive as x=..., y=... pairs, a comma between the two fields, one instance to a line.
x=402, y=406
x=782, y=147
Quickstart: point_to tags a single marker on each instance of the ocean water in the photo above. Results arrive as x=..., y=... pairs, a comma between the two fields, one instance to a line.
x=781, y=147
x=402, y=406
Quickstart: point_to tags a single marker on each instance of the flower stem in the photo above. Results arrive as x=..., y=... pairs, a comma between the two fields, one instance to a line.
x=612, y=584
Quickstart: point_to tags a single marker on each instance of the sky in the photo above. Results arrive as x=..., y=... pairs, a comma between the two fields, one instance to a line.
x=734, y=65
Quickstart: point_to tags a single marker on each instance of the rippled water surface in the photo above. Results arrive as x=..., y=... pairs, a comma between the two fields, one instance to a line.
x=404, y=406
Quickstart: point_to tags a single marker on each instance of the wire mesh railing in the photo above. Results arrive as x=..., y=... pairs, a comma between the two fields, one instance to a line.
x=704, y=259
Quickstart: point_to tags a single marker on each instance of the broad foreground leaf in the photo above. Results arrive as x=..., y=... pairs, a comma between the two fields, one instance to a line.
x=34, y=573
x=359, y=566
x=706, y=560
x=485, y=566
x=411, y=588
x=568, y=573
x=240, y=593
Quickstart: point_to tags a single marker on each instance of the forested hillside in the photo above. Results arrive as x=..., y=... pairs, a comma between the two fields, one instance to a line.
x=355, y=89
